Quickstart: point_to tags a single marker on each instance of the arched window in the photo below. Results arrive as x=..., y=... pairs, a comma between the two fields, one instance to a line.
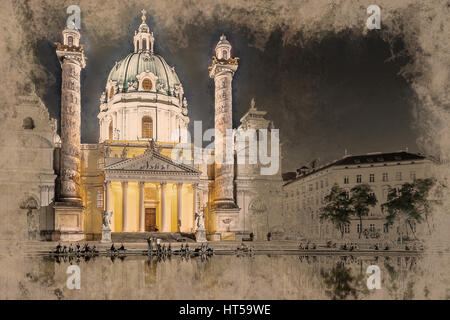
x=144, y=44
x=137, y=46
x=70, y=40
x=28, y=123
x=147, y=84
x=224, y=54
x=111, y=92
x=147, y=127
x=110, y=131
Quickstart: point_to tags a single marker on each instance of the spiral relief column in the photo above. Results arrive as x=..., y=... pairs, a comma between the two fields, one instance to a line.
x=222, y=71
x=68, y=209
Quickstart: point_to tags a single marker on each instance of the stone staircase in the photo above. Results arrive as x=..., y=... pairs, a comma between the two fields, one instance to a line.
x=143, y=236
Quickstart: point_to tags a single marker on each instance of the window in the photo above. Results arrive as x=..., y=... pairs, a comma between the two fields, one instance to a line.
x=321, y=184
x=110, y=131
x=147, y=84
x=385, y=193
x=372, y=227
x=347, y=228
x=28, y=123
x=385, y=177
x=326, y=182
x=144, y=44
x=358, y=228
x=99, y=199
x=398, y=176
x=310, y=187
x=70, y=41
x=224, y=54
x=372, y=177
x=111, y=92
x=147, y=127
x=345, y=179
x=386, y=228
x=137, y=45
x=317, y=185
x=412, y=175
x=358, y=178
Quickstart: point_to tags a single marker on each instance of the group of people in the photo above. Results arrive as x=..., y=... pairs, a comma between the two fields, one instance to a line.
x=113, y=248
x=244, y=248
x=308, y=246
x=78, y=249
x=159, y=249
x=204, y=248
x=154, y=246
x=350, y=246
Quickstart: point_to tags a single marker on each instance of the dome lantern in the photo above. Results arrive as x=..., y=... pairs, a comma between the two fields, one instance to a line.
x=143, y=38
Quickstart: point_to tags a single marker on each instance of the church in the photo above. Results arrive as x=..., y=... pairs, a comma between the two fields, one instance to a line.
x=131, y=175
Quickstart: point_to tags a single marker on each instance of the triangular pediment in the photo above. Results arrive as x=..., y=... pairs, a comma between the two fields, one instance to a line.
x=151, y=161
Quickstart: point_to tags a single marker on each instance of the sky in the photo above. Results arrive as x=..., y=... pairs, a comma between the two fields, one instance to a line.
x=342, y=93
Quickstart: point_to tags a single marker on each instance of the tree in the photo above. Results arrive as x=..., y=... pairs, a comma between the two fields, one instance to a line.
x=362, y=198
x=337, y=208
x=409, y=204
x=341, y=284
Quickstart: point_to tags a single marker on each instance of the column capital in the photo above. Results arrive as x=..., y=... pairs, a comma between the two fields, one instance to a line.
x=141, y=183
x=124, y=183
x=107, y=182
x=163, y=183
x=179, y=184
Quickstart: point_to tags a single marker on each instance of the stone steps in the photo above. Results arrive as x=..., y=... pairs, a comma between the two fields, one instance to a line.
x=143, y=236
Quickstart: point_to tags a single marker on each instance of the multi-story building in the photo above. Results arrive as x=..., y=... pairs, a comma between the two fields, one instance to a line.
x=304, y=195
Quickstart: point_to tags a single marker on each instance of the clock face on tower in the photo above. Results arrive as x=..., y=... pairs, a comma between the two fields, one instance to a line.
x=147, y=84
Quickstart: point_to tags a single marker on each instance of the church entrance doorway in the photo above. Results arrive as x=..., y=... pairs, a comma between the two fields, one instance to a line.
x=150, y=219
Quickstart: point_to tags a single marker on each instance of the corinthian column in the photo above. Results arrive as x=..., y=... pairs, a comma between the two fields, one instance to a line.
x=72, y=60
x=222, y=71
x=141, y=207
x=124, y=206
x=165, y=226
x=179, y=205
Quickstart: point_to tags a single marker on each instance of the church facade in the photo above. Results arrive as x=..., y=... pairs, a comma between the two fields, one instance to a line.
x=131, y=172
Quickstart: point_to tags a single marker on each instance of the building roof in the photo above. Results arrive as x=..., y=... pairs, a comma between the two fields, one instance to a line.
x=369, y=158
x=379, y=157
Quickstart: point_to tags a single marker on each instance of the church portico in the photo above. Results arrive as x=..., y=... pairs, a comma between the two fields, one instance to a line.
x=146, y=206
x=150, y=193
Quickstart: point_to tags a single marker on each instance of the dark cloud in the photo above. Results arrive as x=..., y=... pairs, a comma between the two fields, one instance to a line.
x=339, y=92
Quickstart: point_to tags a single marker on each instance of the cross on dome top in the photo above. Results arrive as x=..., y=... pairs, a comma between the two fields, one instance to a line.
x=144, y=12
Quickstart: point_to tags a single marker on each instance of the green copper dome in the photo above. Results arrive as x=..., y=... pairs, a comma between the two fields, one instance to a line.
x=126, y=70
